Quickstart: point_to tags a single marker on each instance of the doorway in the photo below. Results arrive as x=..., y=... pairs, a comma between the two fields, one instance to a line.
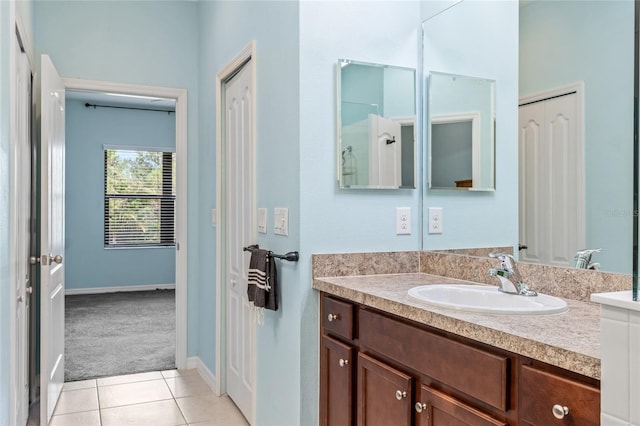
x=119, y=210
x=236, y=201
x=180, y=98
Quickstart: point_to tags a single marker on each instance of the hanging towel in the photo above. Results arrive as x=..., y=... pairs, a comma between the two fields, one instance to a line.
x=262, y=288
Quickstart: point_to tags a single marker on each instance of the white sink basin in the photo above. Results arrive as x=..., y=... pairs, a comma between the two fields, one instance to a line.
x=487, y=299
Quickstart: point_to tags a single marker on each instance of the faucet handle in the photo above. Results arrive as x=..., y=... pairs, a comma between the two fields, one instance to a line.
x=507, y=260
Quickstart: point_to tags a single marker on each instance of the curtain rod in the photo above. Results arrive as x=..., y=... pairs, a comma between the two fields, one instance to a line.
x=94, y=106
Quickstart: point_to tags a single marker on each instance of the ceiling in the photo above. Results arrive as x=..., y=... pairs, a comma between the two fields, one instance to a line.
x=119, y=100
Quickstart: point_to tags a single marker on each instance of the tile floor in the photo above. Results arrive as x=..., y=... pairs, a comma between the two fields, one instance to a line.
x=158, y=398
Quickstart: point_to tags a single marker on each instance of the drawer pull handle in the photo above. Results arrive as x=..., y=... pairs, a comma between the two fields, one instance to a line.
x=343, y=362
x=333, y=317
x=400, y=394
x=420, y=407
x=559, y=411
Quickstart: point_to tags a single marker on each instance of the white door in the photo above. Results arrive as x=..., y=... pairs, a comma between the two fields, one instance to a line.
x=551, y=181
x=385, y=139
x=20, y=231
x=51, y=239
x=240, y=232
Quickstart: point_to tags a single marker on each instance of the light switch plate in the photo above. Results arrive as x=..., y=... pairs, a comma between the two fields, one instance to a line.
x=435, y=220
x=281, y=221
x=262, y=220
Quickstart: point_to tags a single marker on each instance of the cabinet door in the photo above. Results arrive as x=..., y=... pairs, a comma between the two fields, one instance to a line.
x=384, y=394
x=434, y=408
x=549, y=399
x=336, y=383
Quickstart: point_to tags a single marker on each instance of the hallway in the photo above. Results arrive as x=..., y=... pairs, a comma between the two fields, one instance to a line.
x=159, y=398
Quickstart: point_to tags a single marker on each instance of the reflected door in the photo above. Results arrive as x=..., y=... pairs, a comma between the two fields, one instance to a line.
x=551, y=181
x=385, y=152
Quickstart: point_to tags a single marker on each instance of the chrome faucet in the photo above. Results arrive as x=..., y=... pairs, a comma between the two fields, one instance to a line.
x=509, y=276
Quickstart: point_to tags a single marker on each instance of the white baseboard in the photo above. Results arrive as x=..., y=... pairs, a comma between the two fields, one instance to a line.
x=97, y=290
x=205, y=373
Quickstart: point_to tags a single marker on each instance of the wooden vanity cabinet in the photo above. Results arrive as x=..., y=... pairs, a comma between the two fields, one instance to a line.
x=377, y=369
x=547, y=398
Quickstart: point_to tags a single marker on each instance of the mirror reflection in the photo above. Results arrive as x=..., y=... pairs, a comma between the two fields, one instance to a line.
x=576, y=133
x=461, y=140
x=376, y=123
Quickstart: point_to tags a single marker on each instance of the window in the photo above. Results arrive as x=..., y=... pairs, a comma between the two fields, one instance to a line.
x=139, y=198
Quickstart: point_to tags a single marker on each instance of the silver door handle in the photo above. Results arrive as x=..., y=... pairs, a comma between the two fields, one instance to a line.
x=29, y=290
x=57, y=259
x=33, y=260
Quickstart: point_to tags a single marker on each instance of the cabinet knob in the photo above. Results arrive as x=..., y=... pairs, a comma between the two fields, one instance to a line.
x=420, y=407
x=559, y=411
x=343, y=362
x=332, y=317
x=400, y=394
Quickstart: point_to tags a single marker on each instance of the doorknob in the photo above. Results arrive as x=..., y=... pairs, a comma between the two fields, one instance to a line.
x=33, y=260
x=57, y=259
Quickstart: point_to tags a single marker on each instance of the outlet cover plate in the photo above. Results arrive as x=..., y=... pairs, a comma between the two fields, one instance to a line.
x=403, y=220
x=262, y=220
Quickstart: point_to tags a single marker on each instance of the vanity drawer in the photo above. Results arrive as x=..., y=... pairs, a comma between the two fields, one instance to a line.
x=475, y=372
x=540, y=391
x=337, y=317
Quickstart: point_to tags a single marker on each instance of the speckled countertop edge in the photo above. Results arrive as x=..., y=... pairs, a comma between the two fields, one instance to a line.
x=570, y=340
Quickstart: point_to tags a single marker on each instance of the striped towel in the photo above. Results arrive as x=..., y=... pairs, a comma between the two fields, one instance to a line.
x=262, y=288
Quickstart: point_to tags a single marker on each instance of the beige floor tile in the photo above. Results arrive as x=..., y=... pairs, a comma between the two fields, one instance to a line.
x=175, y=372
x=86, y=418
x=225, y=414
x=129, y=378
x=82, y=384
x=77, y=400
x=199, y=408
x=133, y=393
x=157, y=413
x=190, y=385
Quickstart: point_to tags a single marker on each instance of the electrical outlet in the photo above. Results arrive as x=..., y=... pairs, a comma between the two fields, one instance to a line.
x=435, y=220
x=403, y=220
x=281, y=221
x=262, y=220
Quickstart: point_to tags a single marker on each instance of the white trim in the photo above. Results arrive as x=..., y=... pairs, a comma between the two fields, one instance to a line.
x=139, y=148
x=248, y=54
x=120, y=288
x=182, y=141
x=205, y=373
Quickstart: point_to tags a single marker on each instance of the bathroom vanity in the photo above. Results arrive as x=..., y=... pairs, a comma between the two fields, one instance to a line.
x=389, y=360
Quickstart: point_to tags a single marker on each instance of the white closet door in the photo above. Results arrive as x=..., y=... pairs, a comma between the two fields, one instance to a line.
x=240, y=208
x=551, y=181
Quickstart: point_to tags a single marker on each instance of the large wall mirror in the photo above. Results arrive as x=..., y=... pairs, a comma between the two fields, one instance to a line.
x=376, y=123
x=461, y=135
x=580, y=53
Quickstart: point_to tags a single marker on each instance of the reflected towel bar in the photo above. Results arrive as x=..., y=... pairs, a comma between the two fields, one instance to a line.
x=292, y=256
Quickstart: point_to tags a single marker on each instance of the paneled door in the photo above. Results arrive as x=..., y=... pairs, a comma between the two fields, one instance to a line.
x=51, y=239
x=21, y=231
x=240, y=232
x=385, y=152
x=551, y=181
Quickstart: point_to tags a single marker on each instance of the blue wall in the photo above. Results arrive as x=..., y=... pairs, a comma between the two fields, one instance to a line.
x=457, y=42
x=225, y=29
x=89, y=264
x=591, y=41
x=152, y=43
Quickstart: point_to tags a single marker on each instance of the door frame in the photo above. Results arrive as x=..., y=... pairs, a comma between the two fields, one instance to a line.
x=246, y=56
x=182, y=160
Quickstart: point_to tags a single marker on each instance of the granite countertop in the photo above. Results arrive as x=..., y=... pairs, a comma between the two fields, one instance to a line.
x=570, y=340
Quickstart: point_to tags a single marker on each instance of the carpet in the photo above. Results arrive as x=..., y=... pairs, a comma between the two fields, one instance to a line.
x=111, y=334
